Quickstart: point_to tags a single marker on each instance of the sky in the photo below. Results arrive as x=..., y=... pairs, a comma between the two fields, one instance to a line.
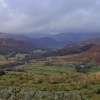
x=49, y=16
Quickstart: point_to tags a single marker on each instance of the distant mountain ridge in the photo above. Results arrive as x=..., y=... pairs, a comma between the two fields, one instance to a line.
x=64, y=36
x=49, y=40
x=39, y=42
x=38, y=35
x=64, y=39
x=77, y=36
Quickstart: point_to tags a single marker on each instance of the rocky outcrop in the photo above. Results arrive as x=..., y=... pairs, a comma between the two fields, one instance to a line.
x=15, y=93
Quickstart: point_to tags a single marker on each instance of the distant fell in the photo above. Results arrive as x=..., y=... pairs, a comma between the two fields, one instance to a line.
x=10, y=45
x=92, y=41
x=14, y=36
x=46, y=42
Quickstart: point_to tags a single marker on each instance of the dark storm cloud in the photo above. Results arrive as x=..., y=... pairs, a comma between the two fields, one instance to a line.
x=49, y=16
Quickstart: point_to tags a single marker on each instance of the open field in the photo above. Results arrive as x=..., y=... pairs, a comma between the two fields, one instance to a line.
x=67, y=56
x=1, y=57
x=41, y=69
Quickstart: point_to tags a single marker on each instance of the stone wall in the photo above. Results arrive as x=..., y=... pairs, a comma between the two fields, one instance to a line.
x=15, y=93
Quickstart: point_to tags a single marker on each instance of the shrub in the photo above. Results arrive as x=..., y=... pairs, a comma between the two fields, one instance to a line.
x=84, y=84
x=54, y=79
x=97, y=90
x=39, y=79
x=2, y=72
x=46, y=87
x=67, y=88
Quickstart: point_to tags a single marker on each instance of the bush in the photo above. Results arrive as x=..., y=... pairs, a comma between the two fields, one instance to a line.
x=39, y=79
x=67, y=88
x=2, y=72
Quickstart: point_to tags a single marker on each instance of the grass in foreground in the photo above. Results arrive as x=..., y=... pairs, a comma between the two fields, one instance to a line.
x=82, y=84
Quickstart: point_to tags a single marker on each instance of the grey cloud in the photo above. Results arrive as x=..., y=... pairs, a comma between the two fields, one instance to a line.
x=49, y=16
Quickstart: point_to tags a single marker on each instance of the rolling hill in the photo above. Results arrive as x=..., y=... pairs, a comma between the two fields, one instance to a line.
x=10, y=45
x=57, y=40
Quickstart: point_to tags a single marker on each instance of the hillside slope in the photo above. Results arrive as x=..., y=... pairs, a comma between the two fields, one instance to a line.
x=92, y=41
x=73, y=38
x=14, y=36
x=11, y=45
x=69, y=50
x=93, y=54
x=46, y=42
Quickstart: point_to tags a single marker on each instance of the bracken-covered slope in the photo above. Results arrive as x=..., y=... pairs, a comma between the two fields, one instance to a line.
x=14, y=36
x=11, y=45
x=93, y=54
